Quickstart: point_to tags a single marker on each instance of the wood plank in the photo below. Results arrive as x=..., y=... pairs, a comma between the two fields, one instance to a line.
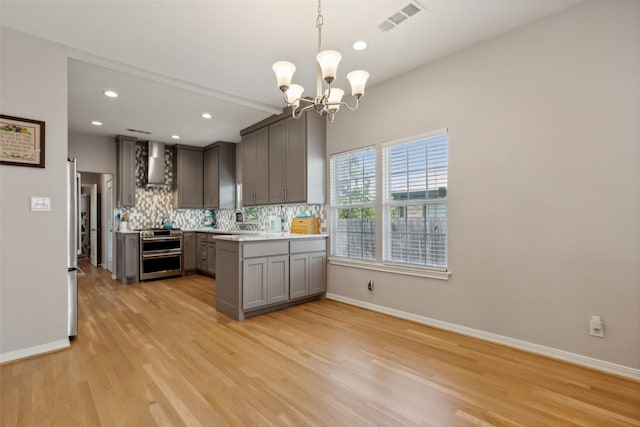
x=158, y=353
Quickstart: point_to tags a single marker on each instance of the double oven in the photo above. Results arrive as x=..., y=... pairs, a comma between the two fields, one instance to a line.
x=161, y=253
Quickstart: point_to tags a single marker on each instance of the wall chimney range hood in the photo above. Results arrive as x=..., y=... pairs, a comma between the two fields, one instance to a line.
x=155, y=165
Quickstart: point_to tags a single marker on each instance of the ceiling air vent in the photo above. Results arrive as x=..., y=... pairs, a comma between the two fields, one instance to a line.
x=139, y=131
x=400, y=16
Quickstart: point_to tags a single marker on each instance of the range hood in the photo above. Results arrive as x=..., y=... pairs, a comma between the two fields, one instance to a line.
x=155, y=165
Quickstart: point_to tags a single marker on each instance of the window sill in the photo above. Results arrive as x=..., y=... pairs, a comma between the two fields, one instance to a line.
x=408, y=271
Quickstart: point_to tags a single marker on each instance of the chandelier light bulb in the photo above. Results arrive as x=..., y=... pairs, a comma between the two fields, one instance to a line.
x=334, y=98
x=358, y=80
x=294, y=93
x=329, y=60
x=284, y=73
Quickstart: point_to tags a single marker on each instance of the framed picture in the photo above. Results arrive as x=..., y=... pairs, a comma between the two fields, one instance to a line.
x=21, y=142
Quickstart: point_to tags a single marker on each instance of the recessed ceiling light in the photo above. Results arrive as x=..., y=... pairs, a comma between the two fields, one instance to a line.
x=110, y=94
x=96, y=123
x=360, y=45
x=175, y=136
x=206, y=115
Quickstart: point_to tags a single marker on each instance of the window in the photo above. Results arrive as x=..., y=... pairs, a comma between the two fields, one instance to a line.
x=353, y=210
x=414, y=201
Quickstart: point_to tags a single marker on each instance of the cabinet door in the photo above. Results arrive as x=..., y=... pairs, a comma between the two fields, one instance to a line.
x=277, y=162
x=261, y=184
x=254, y=283
x=211, y=184
x=248, y=163
x=255, y=168
x=189, y=240
x=131, y=256
x=211, y=257
x=317, y=272
x=189, y=178
x=299, y=276
x=278, y=279
x=296, y=160
x=126, y=177
x=201, y=248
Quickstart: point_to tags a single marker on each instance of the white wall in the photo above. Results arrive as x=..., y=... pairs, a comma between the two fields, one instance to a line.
x=33, y=267
x=93, y=153
x=544, y=196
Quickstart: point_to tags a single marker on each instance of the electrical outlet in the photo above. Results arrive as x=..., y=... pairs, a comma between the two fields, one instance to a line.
x=596, y=327
x=370, y=285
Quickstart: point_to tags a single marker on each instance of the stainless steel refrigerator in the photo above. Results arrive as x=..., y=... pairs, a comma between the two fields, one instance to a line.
x=73, y=236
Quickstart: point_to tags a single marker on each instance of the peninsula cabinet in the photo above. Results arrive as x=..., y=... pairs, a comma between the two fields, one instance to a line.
x=297, y=160
x=189, y=178
x=220, y=176
x=254, y=157
x=259, y=276
x=128, y=257
x=126, y=171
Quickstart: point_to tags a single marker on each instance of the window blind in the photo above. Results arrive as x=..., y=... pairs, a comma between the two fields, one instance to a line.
x=353, y=193
x=414, y=191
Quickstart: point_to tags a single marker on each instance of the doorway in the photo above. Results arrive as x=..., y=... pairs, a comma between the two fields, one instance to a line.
x=96, y=218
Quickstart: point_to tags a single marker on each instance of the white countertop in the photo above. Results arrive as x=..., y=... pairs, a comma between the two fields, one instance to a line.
x=256, y=236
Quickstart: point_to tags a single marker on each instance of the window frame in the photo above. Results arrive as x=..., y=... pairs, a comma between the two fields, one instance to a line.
x=334, y=207
x=387, y=204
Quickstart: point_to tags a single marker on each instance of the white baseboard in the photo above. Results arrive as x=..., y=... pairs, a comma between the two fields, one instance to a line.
x=34, y=351
x=601, y=365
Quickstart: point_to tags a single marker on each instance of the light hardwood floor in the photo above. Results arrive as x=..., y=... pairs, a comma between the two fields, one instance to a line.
x=159, y=354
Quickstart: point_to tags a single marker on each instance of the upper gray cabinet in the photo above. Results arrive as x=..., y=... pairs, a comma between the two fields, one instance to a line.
x=126, y=171
x=189, y=178
x=296, y=160
x=255, y=167
x=220, y=176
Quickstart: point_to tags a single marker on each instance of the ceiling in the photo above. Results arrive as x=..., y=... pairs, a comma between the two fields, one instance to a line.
x=170, y=61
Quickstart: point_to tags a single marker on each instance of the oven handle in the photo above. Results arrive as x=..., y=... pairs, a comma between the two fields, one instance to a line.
x=145, y=239
x=162, y=255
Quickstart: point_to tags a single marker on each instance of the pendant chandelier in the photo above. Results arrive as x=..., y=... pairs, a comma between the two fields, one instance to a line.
x=326, y=102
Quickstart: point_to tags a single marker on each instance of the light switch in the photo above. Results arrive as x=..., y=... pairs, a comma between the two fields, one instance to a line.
x=40, y=204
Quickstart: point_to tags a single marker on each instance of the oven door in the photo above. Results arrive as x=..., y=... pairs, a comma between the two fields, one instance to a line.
x=156, y=265
x=151, y=245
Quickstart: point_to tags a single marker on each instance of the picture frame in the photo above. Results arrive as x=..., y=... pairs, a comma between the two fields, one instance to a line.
x=22, y=141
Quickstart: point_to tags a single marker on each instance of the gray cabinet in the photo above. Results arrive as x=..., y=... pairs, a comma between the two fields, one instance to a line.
x=128, y=257
x=255, y=167
x=265, y=279
x=261, y=276
x=296, y=160
x=189, y=178
x=211, y=256
x=201, y=252
x=308, y=264
x=219, y=184
x=189, y=245
x=126, y=171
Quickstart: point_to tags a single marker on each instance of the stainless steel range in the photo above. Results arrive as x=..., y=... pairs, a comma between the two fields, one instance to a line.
x=160, y=253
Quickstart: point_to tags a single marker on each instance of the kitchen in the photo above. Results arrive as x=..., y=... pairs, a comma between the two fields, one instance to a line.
x=522, y=105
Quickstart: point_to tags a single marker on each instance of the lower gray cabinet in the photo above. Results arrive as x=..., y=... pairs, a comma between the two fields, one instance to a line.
x=265, y=281
x=201, y=252
x=189, y=248
x=211, y=256
x=308, y=274
x=128, y=257
x=260, y=276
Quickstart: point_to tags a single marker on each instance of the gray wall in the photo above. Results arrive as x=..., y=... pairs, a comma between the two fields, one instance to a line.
x=544, y=196
x=33, y=274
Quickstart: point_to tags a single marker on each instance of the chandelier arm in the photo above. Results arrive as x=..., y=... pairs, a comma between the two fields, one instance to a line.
x=286, y=100
x=354, y=108
x=300, y=112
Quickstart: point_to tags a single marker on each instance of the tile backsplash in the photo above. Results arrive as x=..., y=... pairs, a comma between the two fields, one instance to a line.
x=152, y=204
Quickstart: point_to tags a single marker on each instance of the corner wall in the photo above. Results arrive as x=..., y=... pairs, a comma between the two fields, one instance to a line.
x=33, y=266
x=544, y=182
